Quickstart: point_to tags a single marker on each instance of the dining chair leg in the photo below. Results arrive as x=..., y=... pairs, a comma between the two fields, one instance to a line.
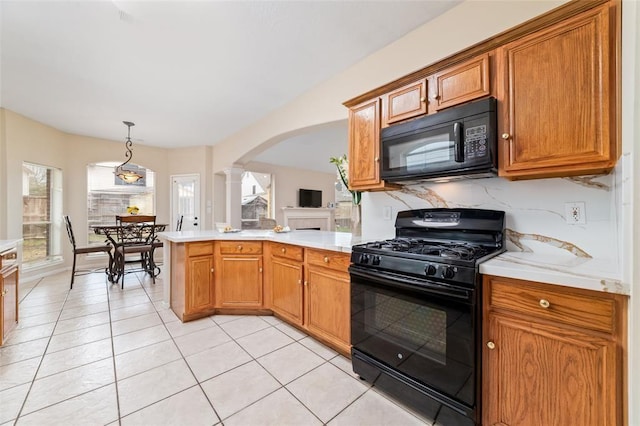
x=73, y=271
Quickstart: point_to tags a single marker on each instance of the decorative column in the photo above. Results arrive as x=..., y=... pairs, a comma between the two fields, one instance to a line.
x=234, y=196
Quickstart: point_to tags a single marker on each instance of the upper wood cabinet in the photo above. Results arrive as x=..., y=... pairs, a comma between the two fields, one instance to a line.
x=552, y=355
x=558, y=99
x=364, y=146
x=406, y=102
x=460, y=83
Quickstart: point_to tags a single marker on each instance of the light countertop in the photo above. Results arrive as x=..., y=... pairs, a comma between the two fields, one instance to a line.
x=570, y=271
x=9, y=244
x=590, y=274
x=335, y=241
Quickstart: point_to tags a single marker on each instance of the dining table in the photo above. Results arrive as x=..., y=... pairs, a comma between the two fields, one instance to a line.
x=119, y=236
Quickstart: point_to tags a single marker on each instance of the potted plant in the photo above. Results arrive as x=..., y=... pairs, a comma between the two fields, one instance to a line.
x=342, y=165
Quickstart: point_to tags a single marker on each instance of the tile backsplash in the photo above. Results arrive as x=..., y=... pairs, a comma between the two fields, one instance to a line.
x=535, y=212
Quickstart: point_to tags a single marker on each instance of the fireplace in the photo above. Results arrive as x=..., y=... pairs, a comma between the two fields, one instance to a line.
x=300, y=218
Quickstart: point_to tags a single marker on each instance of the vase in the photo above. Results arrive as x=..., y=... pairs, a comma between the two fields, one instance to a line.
x=356, y=220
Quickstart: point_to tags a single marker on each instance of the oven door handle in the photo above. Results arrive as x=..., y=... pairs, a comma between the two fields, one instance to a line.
x=423, y=286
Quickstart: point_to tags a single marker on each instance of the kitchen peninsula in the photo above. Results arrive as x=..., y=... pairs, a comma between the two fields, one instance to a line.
x=300, y=276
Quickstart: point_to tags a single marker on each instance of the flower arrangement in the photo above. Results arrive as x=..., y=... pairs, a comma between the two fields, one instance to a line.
x=342, y=165
x=132, y=210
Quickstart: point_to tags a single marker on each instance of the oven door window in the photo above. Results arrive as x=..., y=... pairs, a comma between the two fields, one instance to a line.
x=425, y=337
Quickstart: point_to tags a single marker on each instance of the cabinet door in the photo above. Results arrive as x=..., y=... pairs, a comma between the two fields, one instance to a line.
x=460, y=83
x=9, y=300
x=364, y=145
x=559, y=89
x=200, y=288
x=240, y=281
x=327, y=303
x=406, y=102
x=539, y=374
x=287, y=289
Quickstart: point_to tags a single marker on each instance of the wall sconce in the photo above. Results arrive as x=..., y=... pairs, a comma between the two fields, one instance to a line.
x=128, y=176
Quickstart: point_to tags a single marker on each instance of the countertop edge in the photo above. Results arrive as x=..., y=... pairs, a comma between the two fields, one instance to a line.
x=324, y=240
x=524, y=268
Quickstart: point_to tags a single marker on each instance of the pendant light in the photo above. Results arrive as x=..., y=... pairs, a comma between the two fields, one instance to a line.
x=128, y=176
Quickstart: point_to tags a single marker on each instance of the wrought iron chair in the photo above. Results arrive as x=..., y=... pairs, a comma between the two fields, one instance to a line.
x=136, y=235
x=103, y=248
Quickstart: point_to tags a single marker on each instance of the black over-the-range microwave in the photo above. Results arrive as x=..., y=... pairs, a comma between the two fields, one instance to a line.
x=458, y=142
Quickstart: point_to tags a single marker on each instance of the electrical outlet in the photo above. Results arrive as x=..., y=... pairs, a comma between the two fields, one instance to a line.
x=386, y=213
x=575, y=213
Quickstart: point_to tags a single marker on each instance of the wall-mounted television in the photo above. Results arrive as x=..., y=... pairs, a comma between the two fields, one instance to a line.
x=309, y=198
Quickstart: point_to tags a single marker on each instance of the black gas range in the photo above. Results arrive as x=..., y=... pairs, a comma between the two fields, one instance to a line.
x=415, y=309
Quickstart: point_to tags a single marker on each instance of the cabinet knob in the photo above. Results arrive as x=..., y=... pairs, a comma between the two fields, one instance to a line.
x=212, y=270
x=284, y=250
x=260, y=270
x=305, y=283
x=423, y=99
x=326, y=259
x=491, y=345
x=436, y=97
x=506, y=136
x=299, y=281
x=239, y=248
x=544, y=303
x=377, y=159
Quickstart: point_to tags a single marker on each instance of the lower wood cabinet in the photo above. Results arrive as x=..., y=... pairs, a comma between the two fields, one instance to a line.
x=308, y=288
x=328, y=298
x=8, y=300
x=192, y=280
x=239, y=274
x=287, y=281
x=552, y=355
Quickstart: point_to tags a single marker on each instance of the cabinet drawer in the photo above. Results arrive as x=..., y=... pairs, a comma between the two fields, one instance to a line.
x=199, y=249
x=567, y=306
x=240, y=247
x=329, y=259
x=287, y=251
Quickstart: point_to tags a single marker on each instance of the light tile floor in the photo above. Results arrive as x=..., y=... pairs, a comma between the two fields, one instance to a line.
x=105, y=356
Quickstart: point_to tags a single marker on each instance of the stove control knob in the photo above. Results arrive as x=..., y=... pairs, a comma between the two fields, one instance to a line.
x=375, y=260
x=448, y=272
x=430, y=270
x=364, y=258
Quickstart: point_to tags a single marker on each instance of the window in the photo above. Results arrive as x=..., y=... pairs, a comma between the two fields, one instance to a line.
x=41, y=214
x=343, y=207
x=256, y=199
x=108, y=195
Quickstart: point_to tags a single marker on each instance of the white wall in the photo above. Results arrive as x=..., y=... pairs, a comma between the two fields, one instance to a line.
x=30, y=141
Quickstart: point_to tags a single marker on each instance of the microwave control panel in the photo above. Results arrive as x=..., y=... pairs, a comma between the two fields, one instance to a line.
x=475, y=141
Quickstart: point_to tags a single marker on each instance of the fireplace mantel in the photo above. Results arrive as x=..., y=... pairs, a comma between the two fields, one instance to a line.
x=309, y=218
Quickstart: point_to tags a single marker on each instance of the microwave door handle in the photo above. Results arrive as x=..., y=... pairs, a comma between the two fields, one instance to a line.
x=458, y=145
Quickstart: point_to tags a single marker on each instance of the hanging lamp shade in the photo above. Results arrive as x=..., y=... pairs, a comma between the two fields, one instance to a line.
x=127, y=175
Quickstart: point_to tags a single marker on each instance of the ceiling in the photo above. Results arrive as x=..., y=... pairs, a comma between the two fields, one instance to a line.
x=188, y=73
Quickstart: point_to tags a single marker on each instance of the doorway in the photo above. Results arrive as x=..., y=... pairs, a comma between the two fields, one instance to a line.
x=185, y=201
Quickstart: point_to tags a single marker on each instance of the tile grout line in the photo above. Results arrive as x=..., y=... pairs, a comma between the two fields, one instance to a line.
x=113, y=352
x=26, y=397
x=186, y=363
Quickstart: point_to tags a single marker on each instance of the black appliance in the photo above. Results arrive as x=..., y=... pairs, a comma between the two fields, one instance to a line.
x=416, y=310
x=309, y=198
x=454, y=143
